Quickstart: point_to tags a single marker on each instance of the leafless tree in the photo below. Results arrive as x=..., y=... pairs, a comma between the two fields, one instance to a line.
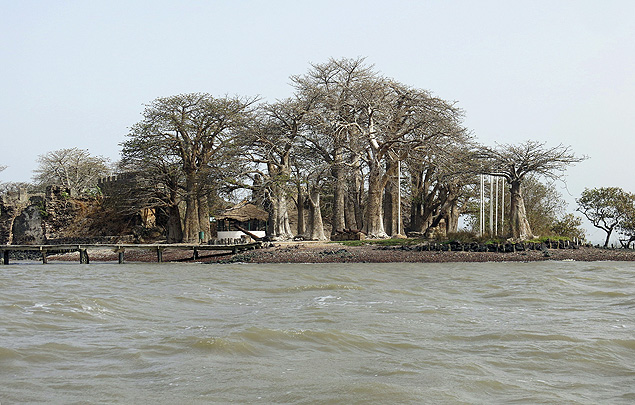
x=156, y=181
x=394, y=122
x=515, y=162
x=199, y=129
x=332, y=88
x=73, y=168
x=439, y=174
x=274, y=140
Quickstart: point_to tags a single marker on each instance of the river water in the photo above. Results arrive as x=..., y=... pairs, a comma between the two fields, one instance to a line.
x=546, y=332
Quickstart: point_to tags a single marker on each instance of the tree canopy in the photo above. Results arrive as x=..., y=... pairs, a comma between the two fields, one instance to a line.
x=195, y=131
x=351, y=149
x=607, y=208
x=73, y=168
x=515, y=162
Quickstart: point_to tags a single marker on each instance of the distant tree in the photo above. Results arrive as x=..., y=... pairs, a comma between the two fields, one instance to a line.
x=543, y=205
x=606, y=208
x=569, y=226
x=73, y=168
x=514, y=163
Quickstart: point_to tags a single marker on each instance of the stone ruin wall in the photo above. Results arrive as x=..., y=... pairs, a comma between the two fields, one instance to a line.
x=35, y=219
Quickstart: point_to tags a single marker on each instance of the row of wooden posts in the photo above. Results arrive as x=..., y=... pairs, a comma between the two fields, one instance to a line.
x=120, y=249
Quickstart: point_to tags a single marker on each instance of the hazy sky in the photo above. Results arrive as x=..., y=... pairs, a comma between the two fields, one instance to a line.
x=77, y=73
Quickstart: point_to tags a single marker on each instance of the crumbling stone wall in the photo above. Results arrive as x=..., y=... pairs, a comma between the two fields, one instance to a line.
x=35, y=219
x=56, y=217
x=60, y=211
x=11, y=205
x=28, y=227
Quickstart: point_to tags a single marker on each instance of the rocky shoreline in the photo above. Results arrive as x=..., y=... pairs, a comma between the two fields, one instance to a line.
x=311, y=252
x=336, y=253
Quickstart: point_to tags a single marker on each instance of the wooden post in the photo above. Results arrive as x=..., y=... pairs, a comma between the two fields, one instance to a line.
x=195, y=254
x=83, y=256
x=121, y=255
x=44, y=259
x=159, y=255
x=5, y=257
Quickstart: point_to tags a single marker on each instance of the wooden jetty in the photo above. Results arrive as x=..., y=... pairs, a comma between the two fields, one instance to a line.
x=83, y=249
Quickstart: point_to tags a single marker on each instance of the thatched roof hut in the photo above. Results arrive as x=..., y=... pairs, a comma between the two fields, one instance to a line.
x=241, y=220
x=244, y=212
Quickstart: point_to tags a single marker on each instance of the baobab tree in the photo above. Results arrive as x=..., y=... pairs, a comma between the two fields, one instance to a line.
x=439, y=174
x=199, y=129
x=514, y=163
x=273, y=141
x=360, y=118
x=158, y=181
x=394, y=121
x=332, y=88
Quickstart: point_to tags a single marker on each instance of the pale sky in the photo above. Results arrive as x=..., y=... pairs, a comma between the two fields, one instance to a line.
x=77, y=73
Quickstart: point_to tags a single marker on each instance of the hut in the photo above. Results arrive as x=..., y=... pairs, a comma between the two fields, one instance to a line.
x=244, y=216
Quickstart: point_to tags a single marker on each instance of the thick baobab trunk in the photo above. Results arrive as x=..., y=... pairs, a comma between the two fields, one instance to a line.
x=315, y=225
x=518, y=216
x=387, y=210
x=424, y=203
x=374, y=222
x=349, y=214
x=392, y=206
x=279, y=210
x=452, y=220
x=300, y=208
x=416, y=216
x=423, y=211
x=280, y=216
x=338, y=171
x=356, y=195
x=174, y=231
x=203, y=218
x=191, y=209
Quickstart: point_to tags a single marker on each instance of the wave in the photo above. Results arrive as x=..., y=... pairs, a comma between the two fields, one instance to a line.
x=311, y=287
x=225, y=346
x=511, y=337
x=8, y=354
x=321, y=340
